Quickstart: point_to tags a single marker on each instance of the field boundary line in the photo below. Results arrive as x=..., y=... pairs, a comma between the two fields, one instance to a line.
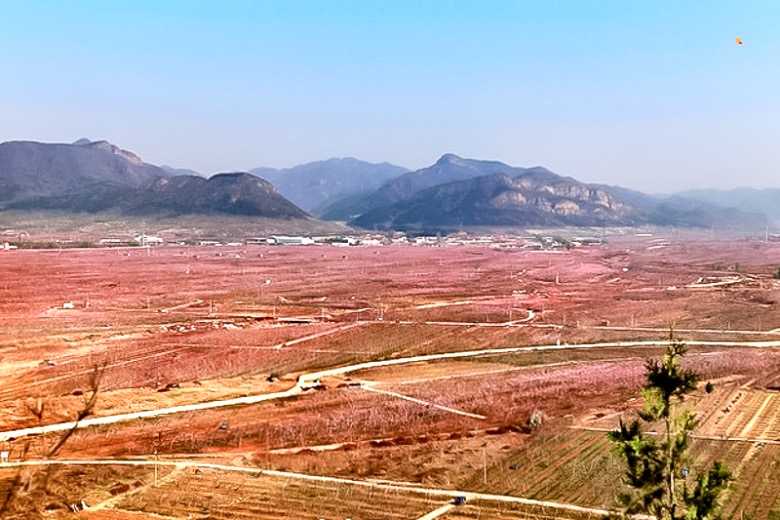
x=751, y=424
x=722, y=438
x=321, y=334
x=424, y=403
x=773, y=332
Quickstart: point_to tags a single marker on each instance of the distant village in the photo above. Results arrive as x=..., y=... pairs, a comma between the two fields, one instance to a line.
x=532, y=241
x=535, y=241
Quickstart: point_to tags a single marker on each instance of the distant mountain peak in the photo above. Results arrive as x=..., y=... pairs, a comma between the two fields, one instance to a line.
x=449, y=158
x=114, y=149
x=317, y=184
x=109, y=147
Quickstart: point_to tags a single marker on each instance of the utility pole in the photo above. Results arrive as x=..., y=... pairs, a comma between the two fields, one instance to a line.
x=484, y=465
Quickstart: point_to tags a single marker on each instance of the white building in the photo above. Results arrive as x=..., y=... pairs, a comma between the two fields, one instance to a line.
x=282, y=240
x=148, y=240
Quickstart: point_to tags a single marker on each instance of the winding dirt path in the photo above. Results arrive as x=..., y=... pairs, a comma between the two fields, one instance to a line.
x=311, y=380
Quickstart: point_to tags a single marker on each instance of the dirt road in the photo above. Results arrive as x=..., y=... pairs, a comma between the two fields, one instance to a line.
x=388, y=486
x=311, y=380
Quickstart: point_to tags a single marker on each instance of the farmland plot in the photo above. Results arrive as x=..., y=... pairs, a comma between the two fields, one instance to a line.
x=480, y=510
x=54, y=489
x=206, y=324
x=577, y=467
x=216, y=494
x=747, y=413
x=570, y=466
x=756, y=491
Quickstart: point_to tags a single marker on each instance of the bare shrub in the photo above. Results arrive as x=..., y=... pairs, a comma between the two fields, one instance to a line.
x=535, y=421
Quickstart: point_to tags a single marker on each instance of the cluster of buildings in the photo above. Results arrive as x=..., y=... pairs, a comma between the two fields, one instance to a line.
x=535, y=242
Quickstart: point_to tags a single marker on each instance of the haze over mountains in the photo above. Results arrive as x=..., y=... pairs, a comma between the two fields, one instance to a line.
x=314, y=185
x=766, y=201
x=451, y=194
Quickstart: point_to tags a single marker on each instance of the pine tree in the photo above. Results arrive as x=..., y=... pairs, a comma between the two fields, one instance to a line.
x=657, y=475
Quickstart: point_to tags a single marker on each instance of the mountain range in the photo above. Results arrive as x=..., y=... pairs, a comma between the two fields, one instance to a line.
x=766, y=201
x=315, y=185
x=453, y=193
x=98, y=176
x=457, y=192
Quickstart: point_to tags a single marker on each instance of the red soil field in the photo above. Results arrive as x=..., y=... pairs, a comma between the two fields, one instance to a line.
x=170, y=325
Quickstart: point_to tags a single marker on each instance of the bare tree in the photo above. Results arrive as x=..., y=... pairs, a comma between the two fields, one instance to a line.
x=29, y=489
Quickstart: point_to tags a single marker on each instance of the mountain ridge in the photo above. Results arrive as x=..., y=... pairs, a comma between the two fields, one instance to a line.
x=97, y=176
x=490, y=193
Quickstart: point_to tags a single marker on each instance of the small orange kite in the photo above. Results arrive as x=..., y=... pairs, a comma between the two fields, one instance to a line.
x=739, y=41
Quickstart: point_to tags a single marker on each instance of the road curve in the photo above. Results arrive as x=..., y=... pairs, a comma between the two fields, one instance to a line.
x=311, y=379
x=111, y=419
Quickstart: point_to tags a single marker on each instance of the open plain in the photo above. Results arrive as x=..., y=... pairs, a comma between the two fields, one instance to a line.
x=374, y=382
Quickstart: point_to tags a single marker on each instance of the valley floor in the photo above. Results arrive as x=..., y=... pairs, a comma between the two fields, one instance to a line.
x=373, y=382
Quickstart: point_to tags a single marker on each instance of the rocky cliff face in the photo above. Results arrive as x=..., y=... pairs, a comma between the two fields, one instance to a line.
x=449, y=168
x=563, y=197
x=500, y=200
x=525, y=197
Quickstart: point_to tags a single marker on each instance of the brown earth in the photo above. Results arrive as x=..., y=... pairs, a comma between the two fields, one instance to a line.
x=180, y=325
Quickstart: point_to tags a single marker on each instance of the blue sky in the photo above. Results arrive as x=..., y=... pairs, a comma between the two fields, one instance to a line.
x=651, y=95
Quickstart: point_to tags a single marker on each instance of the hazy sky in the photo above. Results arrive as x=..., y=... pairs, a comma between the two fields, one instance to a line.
x=652, y=95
